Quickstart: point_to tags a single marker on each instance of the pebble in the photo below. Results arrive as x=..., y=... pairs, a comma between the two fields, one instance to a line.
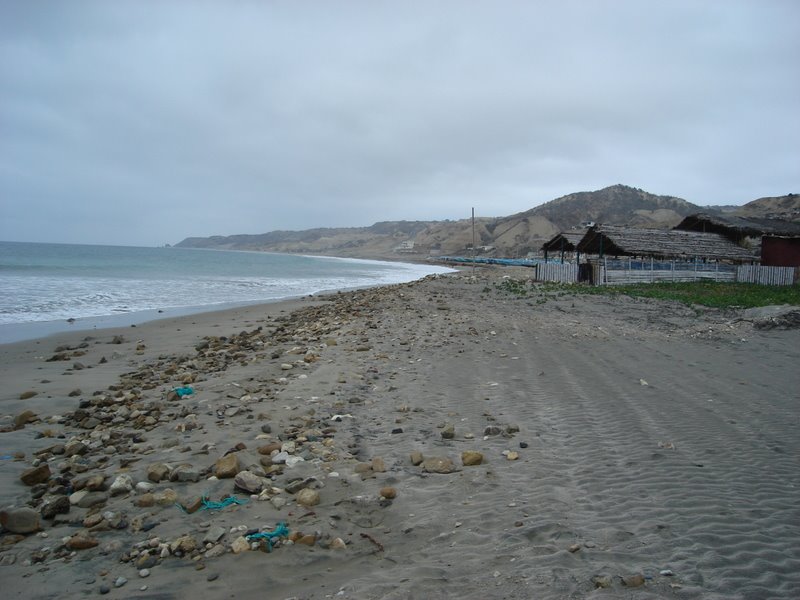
x=448, y=431
x=471, y=458
x=119, y=582
x=227, y=466
x=144, y=487
x=636, y=580
x=20, y=520
x=388, y=492
x=438, y=464
x=35, y=475
x=280, y=458
x=308, y=497
x=122, y=485
x=248, y=482
x=293, y=461
x=278, y=502
x=144, y=573
x=158, y=472
x=239, y=545
x=214, y=534
x=601, y=581
x=81, y=541
x=90, y=499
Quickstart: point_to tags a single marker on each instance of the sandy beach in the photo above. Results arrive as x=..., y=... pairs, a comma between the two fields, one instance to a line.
x=445, y=438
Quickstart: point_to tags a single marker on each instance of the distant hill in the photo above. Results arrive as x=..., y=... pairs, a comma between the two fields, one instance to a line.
x=786, y=208
x=515, y=235
x=617, y=205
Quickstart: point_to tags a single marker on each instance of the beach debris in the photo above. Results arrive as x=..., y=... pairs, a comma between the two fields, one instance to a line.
x=643, y=383
x=183, y=391
x=666, y=445
x=269, y=537
x=378, y=545
x=224, y=503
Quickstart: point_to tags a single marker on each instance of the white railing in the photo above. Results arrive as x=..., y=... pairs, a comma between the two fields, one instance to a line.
x=766, y=275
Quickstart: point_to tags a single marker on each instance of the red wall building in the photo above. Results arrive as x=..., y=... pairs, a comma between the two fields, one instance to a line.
x=780, y=251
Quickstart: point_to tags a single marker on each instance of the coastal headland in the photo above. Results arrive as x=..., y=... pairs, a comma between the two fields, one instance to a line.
x=446, y=438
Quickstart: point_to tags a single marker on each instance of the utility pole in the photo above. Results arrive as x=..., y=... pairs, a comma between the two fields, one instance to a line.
x=473, y=241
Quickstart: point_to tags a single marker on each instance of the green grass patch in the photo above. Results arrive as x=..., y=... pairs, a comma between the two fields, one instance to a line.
x=713, y=294
x=514, y=286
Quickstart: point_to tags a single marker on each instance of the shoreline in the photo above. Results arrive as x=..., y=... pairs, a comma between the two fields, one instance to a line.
x=626, y=446
x=16, y=332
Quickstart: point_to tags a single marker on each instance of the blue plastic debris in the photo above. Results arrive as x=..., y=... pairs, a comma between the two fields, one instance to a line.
x=184, y=391
x=226, y=502
x=280, y=531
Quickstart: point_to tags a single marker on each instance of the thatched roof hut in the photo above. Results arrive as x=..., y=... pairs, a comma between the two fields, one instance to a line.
x=566, y=241
x=610, y=240
x=737, y=229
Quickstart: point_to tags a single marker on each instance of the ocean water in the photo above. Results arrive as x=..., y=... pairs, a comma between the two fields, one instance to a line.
x=44, y=285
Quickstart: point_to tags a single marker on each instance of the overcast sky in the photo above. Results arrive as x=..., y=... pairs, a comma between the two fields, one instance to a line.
x=141, y=123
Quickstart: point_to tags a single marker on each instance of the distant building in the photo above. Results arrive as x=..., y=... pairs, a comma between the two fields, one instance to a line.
x=406, y=246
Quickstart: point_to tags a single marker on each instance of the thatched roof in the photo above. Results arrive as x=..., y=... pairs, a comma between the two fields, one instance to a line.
x=626, y=241
x=565, y=241
x=737, y=228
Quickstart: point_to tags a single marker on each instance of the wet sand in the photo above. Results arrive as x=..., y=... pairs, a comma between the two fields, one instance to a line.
x=630, y=448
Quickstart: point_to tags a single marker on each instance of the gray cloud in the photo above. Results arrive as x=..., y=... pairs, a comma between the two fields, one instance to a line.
x=143, y=123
